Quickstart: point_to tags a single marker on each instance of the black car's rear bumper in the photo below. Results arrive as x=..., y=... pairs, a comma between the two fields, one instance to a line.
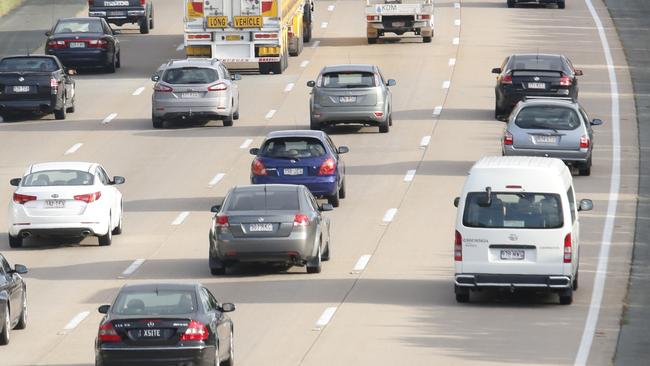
x=538, y=1
x=509, y=97
x=119, y=15
x=45, y=105
x=89, y=57
x=156, y=356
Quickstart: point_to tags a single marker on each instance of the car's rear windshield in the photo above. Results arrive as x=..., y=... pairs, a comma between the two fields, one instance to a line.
x=190, y=75
x=274, y=199
x=547, y=117
x=155, y=302
x=513, y=210
x=537, y=63
x=348, y=79
x=28, y=64
x=78, y=26
x=58, y=178
x=293, y=147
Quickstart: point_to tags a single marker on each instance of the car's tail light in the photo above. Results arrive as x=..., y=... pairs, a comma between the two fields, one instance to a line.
x=584, y=142
x=56, y=44
x=162, y=88
x=568, y=249
x=378, y=114
x=319, y=81
x=373, y=18
x=565, y=81
x=107, y=333
x=54, y=86
x=300, y=220
x=98, y=43
x=506, y=79
x=221, y=220
x=196, y=331
x=377, y=80
x=88, y=197
x=458, y=247
x=258, y=167
x=22, y=198
x=507, y=138
x=91, y=2
x=328, y=167
x=143, y=2
x=218, y=87
x=423, y=17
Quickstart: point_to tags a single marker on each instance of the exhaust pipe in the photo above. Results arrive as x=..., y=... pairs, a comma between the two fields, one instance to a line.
x=85, y=232
x=26, y=234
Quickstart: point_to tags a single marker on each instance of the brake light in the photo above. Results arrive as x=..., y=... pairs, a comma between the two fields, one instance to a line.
x=207, y=36
x=97, y=43
x=507, y=138
x=266, y=35
x=107, y=333
x=506, y=79
x=162, y=88
x=54, y=83
x=22, y=198
x=88, y=197
x=565, y=81
x=143, y=2
x=196, y=331
x=373, y=18
x=56, y=44
x=377, y=80
x=258, y=167
x=424, y=16
x=458, y=247
x=300, y=220
x=568, y=249
x=218, y=87
x=319, y=81
x=221, y=220
x=91, y=2
x=584, y=142
x=328, y=167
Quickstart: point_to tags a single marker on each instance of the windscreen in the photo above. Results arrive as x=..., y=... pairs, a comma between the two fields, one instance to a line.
x=258, y=200
x=348, y=80
x=190, y=75
x=28, y=64
x=513, y=210
x=78, y=26
x=533, y=62
x=293, y=147
x=58, y=178
x=160, y=302
x=548, y=117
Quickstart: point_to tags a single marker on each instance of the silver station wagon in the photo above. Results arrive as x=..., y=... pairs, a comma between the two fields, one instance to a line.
x=353, y=94
x=553, y=128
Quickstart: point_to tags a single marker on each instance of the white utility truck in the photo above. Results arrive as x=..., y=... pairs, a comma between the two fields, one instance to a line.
x=399, y=17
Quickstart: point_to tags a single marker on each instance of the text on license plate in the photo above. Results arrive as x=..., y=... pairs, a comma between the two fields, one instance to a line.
x=54, y=203
x=150, y=333
x=260, y=227
x=398, y=24
x=348, y=99
x=233, y=37
x=190, y=95
x=21, y=89
x=77, y=44
x=513, y=254
x=536, y=85
x=546, y=139
x=293, y=171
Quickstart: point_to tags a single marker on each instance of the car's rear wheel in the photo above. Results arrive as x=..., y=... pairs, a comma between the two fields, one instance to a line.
x=426, y=39
x=71, y=108
x=151, y=18
x=585, y=170
x=335, y=199
x=22, y=321
x=342, y=190
x=144, y=25
x=118, y=229
x=561, y=5
x=384, y=127
x=314, y=125
x=462, y=294
x=15, y=241
x=60, y=114
x=107, y=239
x=372, y=40
x=112, y=66
x=306, y=34
x=118, y=62
x=574, y=283
x=566, y=296
x=217, y=268
x=326, y=253
x=231, y=350
x=6, y=328
x=511, y=3
x=315, y=265
x=157, y=122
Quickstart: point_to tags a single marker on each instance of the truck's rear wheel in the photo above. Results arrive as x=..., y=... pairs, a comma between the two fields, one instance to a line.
x=426, y=39
x=372, y=40
x=144, y=25
x=306, y=21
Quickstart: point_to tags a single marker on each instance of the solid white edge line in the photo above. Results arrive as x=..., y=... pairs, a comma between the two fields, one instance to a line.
x=213, y=182
x=330, y=8
x=437, y=110
x=410, y=174
x=446, y=84
x=138, y=91
x=452, y=61
x=362, y=263
x=601, y=271
x=389, y=215
x=180, y=47
x=456, y=40
x=270, y=114
x=289, y=87
x=325, y=318
x=323, y=25
x=180, y=218
x=73, y=149
x=132, y=268
x=425, y=141
x=74, y=322
x=246, y=143
x=109, y=118
x=316, y=43
x=304, y=63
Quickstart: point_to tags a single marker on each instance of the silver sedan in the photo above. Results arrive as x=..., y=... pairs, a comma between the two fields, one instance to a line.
x=269, y=223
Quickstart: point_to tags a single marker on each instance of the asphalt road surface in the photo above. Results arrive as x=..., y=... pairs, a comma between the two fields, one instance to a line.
x=400, y=308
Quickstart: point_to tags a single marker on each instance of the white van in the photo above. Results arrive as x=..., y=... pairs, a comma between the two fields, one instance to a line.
x=517, y=227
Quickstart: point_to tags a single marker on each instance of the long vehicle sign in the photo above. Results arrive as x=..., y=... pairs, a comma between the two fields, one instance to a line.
x=247, y=22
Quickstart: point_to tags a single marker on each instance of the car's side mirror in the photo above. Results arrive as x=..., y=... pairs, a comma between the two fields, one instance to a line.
x=72, y=72
x=326, y=207
x=235, y=77
x=456, y=201
x=118, y=180
x=155, y=77
x=343, y=149
x=215, y=208
x=596, y=122
x=496, y=70
x=20, y=269
x=579, y=73
x=391, y=82
x=15, y=181
x=254, y=151
x=227, y=307
x=586, y=205
x=103, y=309
x=311, y=83
x=48, y=33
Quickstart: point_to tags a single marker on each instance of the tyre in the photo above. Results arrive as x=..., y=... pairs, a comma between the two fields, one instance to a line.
x=118, y=229
x=217, y=268
x=426, y=39
x=151, y=18
x=71, y=108
x=335, y=199
x=462, y=294
x=511, y=3
x=314, y=125
x=144, y=26
x=157, y=122
x=585, y=170
x=561, y=5
x=384, y=126
x=107, y=239
x=231, y=351
x=372, y=40
x=498, y=112
x=235, y=116
x=60, y=114
x=566, y=296
x=306, y=21
x=112, y=66
x=15, y=241
x=315, y=265
x=574, y=284
x=390, y=119
x=118, y=63
x=6, y=328
x=342, y=190
x=326, y=253
x=22, y=321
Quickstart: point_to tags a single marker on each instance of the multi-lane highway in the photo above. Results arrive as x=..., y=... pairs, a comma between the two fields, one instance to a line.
x=397, y=306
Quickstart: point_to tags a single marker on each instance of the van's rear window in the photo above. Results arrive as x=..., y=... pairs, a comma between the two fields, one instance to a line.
x=513, y=210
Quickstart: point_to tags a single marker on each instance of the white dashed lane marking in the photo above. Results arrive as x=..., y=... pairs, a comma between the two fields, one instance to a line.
x=437, y=110
x=109, y=118
x=304, y=63
x=289, y=87
x=180, y=47
x=410, y=174
x=330, y=8
x=446, y=84
x=323, y=25
x=270, y=114
x=457, y=22
x=457, y=5
x=246, y=144
x=138, y=91
x=132, y=268
x=389, y=215
x=452, y=61
x=213, y=182
x=180, y=218
x=361, y=263
x=425, y=141
x=455, y=41
x=325, y=318
x=316, y=43
x=74, y=322
x=73, y=149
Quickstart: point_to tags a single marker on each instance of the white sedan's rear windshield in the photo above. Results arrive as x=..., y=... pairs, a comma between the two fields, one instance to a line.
x=348, y=80
x=58, y=178
x=190, y=75
x=548, y=117
x=513, y=210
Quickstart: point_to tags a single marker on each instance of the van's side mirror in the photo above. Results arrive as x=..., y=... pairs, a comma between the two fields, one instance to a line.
x=235, y=77
x=254, y=151
x=118, y=180
x=496, y=70
x=103, y=309
x=456, y=201
x=343, y=149
x=596, y=122
x=391, y=82
x=586, y=205
x=215, y=208
x=326, y=207
x=311, y=83
x=15, y=181
x=579, y=73
x=155, y=77
x=227, y=307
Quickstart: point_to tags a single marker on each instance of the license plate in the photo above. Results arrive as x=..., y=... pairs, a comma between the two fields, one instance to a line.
x=150, y=333
x=77, y=44
x=347, y=99
x=233, y=37
x=260, y=227
x=54, y=203
x=293, y=171
x=217, y=22
x=247, y=22
x=398, y=24
x=536, y=85
x=546, y=139
x=116, y=14
x=190, y=95
x=21, y=89
x=513, y=254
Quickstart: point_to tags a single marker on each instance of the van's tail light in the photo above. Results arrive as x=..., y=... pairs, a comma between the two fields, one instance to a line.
x=300, y=220
x=107, y=333
x=258, y=167
x=373, y=18
x=56, y=44
x=196, y=331
x=423, y=17
x=22, y=198
x=328, y=167
x=565, y=81
x=568, y=249
x=507, y=138
x=221, y=220
x=584, y=142
x=162, y=88
x=88, y=197
x=218, y=87
x=506, y=79
x=458, y=247
x=319, y=81
x=143, y=2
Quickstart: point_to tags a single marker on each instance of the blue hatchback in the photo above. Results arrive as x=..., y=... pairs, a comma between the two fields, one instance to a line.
x=304, y=157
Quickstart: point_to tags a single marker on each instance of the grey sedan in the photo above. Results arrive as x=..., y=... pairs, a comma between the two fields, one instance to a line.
x=351, y=94
x=553, y=128
x=269, y=223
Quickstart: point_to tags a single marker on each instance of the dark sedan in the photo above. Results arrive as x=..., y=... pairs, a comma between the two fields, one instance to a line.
x=84, y=42
x=13, y=299
x=539, y=75
x=165, y=324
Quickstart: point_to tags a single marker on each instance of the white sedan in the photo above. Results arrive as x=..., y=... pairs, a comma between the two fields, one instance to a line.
x=72, y=199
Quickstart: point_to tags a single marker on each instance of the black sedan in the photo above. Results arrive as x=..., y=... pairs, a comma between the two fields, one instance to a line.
x=165, y=324
x=84, y=42
x=13, y=299
x=533, y=75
